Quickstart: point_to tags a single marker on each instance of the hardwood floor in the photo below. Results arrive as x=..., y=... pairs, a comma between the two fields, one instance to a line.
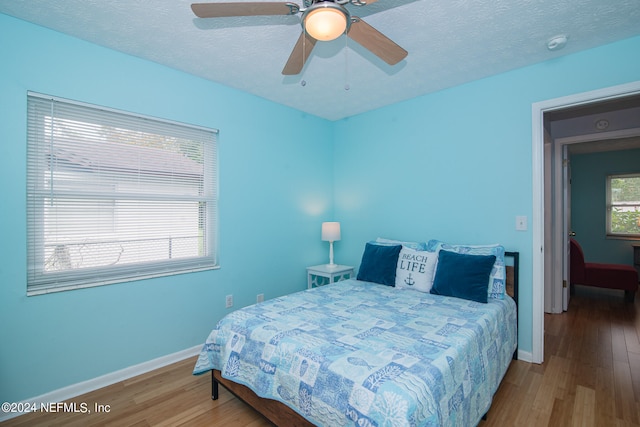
x=591, y=373
x=170, y=396
x=591, y=377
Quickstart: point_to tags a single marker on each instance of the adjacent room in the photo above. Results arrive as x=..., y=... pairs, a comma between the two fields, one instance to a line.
x=165, y=166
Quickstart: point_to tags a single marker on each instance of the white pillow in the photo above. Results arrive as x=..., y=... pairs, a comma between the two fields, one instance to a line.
x=415, y=269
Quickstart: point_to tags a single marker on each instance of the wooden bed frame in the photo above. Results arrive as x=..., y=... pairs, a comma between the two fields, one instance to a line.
x=282, y=415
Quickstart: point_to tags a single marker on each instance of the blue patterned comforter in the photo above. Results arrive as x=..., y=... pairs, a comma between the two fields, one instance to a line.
x=362, y=354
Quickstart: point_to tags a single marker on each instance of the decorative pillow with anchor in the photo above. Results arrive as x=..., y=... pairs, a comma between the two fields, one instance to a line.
x=415, y=269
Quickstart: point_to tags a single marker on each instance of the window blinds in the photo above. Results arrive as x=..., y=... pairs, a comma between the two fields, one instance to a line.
x=115, y=197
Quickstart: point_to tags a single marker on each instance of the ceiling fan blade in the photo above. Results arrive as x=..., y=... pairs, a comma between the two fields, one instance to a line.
x=219, y=10
x=299, y=55
x=376, y=42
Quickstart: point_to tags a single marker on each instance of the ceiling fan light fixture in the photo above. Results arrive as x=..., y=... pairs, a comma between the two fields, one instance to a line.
x=326, y=20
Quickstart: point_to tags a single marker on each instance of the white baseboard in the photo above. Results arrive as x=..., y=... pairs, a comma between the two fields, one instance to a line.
x=83, y=387
x=525, y=356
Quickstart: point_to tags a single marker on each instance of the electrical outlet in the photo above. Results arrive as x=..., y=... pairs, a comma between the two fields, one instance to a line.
x=260, y=298
x=229, y=301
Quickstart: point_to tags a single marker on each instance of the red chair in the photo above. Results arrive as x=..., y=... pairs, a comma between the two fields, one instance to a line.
x=612, y=276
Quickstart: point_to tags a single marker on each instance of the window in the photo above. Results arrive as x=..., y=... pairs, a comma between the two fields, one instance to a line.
x=623, y=205
x=115, y=197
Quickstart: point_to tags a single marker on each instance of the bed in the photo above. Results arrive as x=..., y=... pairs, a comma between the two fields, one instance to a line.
x=364, y=353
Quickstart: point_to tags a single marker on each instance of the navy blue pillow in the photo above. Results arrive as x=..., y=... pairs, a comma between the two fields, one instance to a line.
x=379, y=264
x=463, y=275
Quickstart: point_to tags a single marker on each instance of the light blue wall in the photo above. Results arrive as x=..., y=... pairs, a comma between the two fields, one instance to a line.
x=275, y=190
x=588, y=203
x=457, y=165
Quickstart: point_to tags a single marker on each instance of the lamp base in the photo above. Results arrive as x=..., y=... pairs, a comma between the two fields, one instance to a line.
x=331, y=263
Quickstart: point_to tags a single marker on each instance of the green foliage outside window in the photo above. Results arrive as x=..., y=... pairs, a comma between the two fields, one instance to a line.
x=625, y=204
x=625, y=222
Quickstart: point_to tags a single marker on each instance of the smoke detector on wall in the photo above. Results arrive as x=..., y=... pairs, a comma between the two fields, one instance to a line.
x=602, y=124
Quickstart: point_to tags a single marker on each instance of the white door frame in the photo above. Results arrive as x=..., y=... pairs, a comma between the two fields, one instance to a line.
x=538, y=227
x=554, y=220
x=566, y=226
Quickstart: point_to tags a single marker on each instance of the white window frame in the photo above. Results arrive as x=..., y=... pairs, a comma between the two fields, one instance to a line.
x=611, y=205
x=147, y=187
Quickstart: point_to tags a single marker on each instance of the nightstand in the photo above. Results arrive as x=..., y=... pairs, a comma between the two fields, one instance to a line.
x=324, y=274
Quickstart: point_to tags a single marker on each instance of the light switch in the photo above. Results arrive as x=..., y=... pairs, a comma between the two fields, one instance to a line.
x=521, y=223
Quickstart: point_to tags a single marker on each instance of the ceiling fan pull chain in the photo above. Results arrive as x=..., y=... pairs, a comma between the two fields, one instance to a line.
x=304, y=46
x=346, y=63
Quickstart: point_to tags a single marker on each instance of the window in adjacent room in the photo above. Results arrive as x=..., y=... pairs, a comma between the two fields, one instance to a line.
x=623, y=205
x=115, y=197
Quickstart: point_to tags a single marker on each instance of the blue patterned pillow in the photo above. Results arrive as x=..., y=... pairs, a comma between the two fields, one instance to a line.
x=379, y=264
x=498, y=276
x=463, y=276
x=418, y=246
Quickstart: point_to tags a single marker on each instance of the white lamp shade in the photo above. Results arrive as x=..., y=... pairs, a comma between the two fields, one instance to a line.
x=331, y=231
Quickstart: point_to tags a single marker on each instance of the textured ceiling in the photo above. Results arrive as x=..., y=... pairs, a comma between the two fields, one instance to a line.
x=449, y=43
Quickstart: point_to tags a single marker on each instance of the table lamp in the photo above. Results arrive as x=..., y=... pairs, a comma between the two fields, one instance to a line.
x=331, y=233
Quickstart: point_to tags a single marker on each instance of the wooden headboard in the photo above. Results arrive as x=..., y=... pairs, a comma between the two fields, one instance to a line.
x=513, y=284
x=513, y=274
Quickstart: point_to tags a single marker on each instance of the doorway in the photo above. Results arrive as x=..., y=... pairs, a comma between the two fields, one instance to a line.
x=558, y=191
x=548, y=258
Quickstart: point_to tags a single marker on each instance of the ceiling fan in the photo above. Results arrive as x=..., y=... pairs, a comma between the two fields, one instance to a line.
x=322, y=20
